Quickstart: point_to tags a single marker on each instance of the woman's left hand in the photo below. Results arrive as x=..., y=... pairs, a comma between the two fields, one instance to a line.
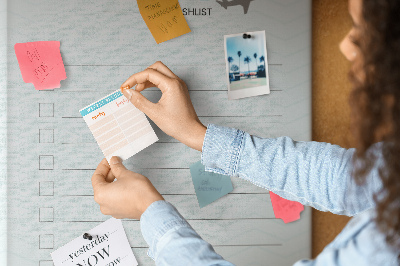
x=127, y=197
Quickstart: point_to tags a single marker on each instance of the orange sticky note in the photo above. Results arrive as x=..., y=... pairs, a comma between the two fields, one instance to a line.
x=164, y=18
x=284, y=209
x=41, y=64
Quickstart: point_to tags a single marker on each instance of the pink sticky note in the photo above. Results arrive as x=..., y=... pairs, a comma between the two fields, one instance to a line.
x=284, y=209
x=41, y=64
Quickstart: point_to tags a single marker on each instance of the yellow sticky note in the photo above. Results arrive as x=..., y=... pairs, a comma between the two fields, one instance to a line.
x=164, y=18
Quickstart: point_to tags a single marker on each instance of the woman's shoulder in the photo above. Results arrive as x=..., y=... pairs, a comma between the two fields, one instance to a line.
x=361, y=240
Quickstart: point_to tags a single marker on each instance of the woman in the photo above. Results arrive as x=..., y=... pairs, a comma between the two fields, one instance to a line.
x=362, y=182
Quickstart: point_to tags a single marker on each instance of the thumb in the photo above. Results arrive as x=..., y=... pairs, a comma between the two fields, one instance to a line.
x=138, y=100
x=117, y=168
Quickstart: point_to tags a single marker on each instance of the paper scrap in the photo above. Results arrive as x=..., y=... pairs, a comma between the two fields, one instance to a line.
x=119, y=128
x=284, y=209
x=109, y=246
x=209, y=186
x=164, y=18
x=41, y=64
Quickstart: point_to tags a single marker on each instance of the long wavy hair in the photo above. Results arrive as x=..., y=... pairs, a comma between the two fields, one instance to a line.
x=375, y=103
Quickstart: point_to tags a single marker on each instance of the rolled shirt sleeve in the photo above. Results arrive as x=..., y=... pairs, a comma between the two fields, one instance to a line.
x=172, y=241
x=316, y=174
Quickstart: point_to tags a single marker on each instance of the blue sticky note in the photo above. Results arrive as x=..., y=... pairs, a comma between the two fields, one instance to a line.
x=209, y=186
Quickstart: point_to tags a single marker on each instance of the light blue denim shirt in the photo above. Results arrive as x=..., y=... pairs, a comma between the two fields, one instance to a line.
x=312, y=173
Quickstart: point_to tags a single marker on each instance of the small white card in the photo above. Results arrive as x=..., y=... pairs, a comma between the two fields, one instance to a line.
x=118, y=126
x=108, y=247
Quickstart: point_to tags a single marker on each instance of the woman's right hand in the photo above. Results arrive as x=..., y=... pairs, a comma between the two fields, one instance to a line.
x=173, y=113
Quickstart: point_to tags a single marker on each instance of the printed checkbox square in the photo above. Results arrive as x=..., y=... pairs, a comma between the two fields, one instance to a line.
x=46, y=263
x=46, y=135
x=46, y=188
x=46, y=214
x=46, y=162
x=46, y=109
x=46, y=241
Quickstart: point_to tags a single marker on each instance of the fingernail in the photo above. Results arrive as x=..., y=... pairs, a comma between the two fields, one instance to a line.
x=129, y=92
x=115, y=160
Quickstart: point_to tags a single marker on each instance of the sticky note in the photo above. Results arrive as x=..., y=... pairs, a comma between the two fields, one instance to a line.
x=119, y=128
x=284, y=209
x=41, y=64
x=108, y=246
x=164, y=18
x=209, y=186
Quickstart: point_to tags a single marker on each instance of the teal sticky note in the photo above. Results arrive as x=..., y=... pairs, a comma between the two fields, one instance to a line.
x=209, y=186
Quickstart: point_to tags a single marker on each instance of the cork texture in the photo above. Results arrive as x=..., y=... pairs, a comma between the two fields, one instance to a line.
x=330, y=99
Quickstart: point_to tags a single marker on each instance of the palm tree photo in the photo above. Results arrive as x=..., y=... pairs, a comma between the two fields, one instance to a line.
x=247, y=60
x=230, y=60
x=255, y=57
x=262, y=59
x=239, y=54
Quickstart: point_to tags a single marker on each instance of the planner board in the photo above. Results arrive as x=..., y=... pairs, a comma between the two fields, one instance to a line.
x=51, y=153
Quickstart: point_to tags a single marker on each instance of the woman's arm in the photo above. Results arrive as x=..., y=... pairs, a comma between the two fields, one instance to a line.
x=312, y=173
x=171, y=240
x=315, y=174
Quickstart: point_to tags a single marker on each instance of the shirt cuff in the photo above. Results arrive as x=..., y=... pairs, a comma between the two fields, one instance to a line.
x=158, y=219
x=222, y=148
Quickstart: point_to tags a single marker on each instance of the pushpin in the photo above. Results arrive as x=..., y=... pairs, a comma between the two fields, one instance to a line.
x=246, y=36
x=87, y=236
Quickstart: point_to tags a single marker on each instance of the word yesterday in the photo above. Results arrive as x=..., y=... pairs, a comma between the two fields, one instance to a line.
x=89, y=246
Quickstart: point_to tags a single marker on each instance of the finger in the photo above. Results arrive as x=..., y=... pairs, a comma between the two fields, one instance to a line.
x=160, y=67
x=110, y=177
x=159, y=80
x=105, y=210
x=118, y=169
x=100, y=174
x=142, y=86
x=140, y=102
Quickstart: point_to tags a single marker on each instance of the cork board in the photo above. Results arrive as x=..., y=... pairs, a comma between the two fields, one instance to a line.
x=330, y=92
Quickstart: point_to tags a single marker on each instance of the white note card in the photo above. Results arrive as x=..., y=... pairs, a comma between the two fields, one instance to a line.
x=118, y=126
x=108, y=247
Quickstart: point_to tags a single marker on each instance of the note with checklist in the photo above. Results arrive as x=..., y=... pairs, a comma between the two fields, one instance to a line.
x=119, y=128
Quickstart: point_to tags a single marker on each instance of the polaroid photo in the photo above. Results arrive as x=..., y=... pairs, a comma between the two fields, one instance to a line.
x=246, y=64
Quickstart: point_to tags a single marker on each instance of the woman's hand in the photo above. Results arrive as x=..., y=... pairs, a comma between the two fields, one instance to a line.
x=127, y=197
x=174, y=113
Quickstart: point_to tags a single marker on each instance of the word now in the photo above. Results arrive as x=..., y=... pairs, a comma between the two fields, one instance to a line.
x=169, y=24
x=93, y=259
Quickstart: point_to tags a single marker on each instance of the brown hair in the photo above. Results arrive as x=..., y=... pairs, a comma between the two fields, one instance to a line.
x=375, y=103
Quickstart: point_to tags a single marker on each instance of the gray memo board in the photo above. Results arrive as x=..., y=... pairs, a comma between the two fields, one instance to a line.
x=51, y=153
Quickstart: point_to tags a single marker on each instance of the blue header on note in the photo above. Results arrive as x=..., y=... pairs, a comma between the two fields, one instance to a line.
x=100, y=103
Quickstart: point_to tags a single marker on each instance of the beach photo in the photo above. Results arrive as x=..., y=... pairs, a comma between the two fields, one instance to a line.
x=246, y=64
